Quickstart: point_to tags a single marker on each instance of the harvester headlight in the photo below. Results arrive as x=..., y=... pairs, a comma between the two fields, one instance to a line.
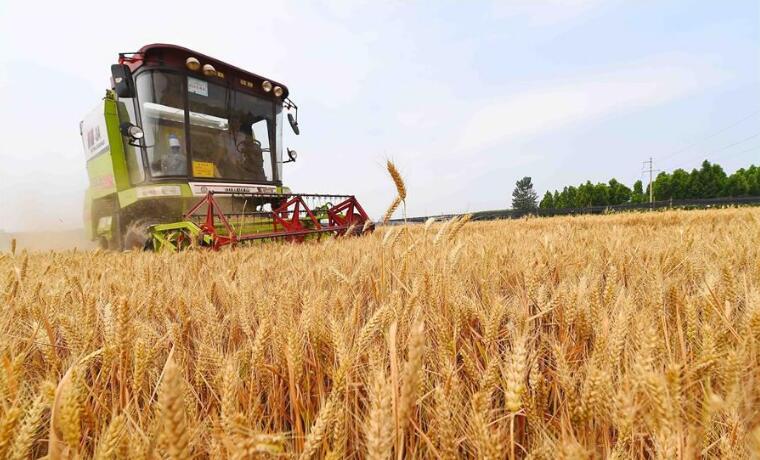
x=209, y=70
x=266, y=85
x=135, y=132
x=193, y=63
x=131, y=131
x=277, y=91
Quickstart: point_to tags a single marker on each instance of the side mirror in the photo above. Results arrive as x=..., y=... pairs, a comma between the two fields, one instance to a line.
x=292, y=154
x=293, y=124
x=123, y=83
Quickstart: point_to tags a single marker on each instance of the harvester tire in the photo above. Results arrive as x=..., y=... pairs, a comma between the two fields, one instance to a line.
x=137, y=236
x=103, y=243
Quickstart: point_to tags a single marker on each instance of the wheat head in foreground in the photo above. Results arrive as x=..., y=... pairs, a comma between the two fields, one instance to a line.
x=398, y=181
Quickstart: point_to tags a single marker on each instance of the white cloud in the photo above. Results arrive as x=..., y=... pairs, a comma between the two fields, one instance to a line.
x=544, y=106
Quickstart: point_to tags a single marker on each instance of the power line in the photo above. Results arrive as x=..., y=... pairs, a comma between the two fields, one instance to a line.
x=738, y=153
x=740, y=142
x=747, y=150
x=710, y=136
x=712, y=153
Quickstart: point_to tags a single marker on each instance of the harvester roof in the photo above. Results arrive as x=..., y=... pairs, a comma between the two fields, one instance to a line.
x=172, y=56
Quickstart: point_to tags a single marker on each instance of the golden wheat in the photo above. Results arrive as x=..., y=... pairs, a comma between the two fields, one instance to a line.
x=398, y=181
x=622, y=336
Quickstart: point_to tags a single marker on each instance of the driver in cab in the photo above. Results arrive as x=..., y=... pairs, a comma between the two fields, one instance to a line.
x=250, y=159
x=174, y=162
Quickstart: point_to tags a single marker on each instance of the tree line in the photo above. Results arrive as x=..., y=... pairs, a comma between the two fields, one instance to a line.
x=709, y=181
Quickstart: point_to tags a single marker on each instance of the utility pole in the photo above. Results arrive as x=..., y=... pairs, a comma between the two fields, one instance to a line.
x=650, y=162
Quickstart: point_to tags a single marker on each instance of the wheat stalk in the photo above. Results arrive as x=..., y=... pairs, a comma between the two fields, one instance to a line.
x=391, y=209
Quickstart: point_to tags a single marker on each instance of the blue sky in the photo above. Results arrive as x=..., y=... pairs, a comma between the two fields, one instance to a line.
x=465, y=97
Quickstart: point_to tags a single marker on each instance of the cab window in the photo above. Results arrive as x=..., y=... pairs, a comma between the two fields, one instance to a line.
x=162, y=107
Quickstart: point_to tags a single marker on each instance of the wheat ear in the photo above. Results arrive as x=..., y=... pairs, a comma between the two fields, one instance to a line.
x=71, y=410
x=112, y=446
x=397, y=180
x=444, y=426
x=457, y=226
x=410, y=382
x=319, y=430
x=171, y=400
x=8, y=426
x=378, y=431
x=27, y=432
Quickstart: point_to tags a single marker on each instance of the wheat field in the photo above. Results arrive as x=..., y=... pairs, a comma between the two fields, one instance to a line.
x=621, y=336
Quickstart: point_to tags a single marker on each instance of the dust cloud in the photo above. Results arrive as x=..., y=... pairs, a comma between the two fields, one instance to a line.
x=46, y=241
x=40, y=220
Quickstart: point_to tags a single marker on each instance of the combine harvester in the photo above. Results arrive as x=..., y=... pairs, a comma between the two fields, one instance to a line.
x=186, y=150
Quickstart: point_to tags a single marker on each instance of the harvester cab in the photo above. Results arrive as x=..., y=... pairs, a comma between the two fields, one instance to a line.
x=186, y=150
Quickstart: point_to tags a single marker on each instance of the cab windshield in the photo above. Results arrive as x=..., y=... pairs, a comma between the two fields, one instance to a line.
x=232, y=136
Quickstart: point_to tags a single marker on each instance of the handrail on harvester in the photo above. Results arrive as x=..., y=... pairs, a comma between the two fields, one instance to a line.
x=291, y=218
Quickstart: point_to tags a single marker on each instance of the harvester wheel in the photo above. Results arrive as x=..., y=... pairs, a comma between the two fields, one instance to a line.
x=361, y=227
x=366, y=227
x=137, y=235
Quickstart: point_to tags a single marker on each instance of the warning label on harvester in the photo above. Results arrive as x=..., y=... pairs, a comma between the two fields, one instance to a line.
x=203, y=169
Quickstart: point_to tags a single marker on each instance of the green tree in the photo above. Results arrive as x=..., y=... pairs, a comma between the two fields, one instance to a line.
x=585, y=195
x=600, y=195
x=547, y=202
x=571, y=198
x=524, y=198
x=618, y=193
x=753, y=180
x=637, y=196
x=736, y=185
x=663, y=189
x=679, y=184
x=695, y=184
x=712, y=178
x=561, y=200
